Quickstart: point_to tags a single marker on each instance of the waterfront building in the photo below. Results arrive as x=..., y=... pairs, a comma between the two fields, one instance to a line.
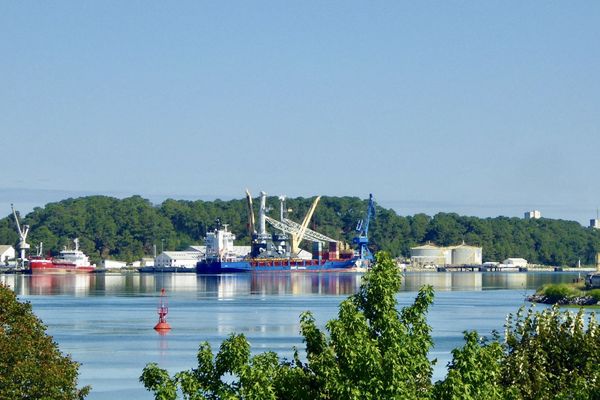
x=147, y=262
x=187, y=259
x=515, y=262
x=113, y=264
x=7, y=252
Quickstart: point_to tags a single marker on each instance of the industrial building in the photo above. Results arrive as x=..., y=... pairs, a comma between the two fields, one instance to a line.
x=186, y=259
x=7, y=252
x=515, y=262
x=113, y=264
x=147, y=262
x=432, y=255
x=534, y=214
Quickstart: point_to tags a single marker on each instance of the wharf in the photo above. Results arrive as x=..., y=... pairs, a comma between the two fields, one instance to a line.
x=479, y=268
x=12, y=270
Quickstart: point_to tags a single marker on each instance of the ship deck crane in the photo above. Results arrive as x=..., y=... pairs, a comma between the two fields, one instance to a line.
x=362, y=227
x=297, y=239
x=298, y=232
x=293, y=228
x=309, y=233
x=250, y=209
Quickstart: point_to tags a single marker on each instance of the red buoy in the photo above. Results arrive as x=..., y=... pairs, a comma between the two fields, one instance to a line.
x=163, y=310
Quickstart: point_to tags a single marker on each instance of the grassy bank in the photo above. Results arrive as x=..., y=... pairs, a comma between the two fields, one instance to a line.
x=575, y=294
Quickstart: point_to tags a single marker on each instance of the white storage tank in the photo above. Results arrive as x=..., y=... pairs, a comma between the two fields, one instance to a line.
x=467, y=255
x=430, y=254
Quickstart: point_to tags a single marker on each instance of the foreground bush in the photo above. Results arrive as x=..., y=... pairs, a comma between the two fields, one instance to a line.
x=31, y=365
x=375, y=351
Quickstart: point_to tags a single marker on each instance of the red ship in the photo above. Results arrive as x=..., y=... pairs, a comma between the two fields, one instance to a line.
x=67, y=261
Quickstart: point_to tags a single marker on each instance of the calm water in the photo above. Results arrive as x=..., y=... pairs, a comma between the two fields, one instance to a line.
x=105, y=321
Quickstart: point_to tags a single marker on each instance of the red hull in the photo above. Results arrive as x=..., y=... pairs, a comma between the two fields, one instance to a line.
x=49, y=267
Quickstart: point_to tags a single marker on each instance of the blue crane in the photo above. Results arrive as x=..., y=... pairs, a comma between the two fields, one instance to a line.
x=362, y=227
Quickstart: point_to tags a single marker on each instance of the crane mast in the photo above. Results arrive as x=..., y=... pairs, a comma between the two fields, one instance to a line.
x=23, y=245
x=362, y=227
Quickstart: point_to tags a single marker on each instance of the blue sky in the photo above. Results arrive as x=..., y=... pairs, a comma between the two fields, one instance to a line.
x=483, y=108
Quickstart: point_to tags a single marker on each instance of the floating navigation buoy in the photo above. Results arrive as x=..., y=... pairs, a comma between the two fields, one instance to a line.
x=163, y=309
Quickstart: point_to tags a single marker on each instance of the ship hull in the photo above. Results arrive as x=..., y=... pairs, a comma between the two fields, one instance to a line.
x=48, y=267
x=220, y=267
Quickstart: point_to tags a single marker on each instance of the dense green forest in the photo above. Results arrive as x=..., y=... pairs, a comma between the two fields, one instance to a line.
x=127, y=229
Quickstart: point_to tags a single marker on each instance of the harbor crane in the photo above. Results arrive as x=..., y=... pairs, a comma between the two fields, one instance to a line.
x=362, y=227
x=23, y=245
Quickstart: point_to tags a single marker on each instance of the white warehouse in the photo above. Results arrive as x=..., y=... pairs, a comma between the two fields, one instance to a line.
x=7, y=252
x=187, y=259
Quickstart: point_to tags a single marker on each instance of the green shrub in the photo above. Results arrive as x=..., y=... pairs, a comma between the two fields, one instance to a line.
x=558, y=291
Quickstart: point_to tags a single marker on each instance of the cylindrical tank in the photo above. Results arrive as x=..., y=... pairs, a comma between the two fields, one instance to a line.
x=466, y=255
x=427, y=250
x=429, y=255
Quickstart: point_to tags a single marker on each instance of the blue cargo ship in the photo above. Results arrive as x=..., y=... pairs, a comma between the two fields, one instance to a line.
x=263, y=265
x=280, y=251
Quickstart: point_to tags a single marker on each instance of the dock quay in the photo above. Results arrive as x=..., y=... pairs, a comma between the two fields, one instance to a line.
x=479, y=268
x=11, y=270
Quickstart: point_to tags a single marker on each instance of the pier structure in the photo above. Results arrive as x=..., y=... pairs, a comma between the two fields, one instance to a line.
x=479, y=268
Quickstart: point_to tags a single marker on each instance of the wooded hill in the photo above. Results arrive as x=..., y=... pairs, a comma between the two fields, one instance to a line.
x=127, y=229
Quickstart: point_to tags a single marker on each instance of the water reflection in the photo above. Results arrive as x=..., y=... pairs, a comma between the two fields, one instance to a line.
x=234, y=285
x=281, y=283
x=484, y=280
x=443, y=280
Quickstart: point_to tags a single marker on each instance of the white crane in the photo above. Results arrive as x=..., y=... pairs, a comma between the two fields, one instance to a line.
x=23, y=245
x=251, y=229
x=293, y=228
x=298, y=232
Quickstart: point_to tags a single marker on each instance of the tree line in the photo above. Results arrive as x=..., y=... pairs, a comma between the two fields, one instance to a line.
x=127, y=229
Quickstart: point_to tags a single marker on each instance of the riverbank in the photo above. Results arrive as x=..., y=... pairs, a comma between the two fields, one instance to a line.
x=566, y=294
x=531, y=268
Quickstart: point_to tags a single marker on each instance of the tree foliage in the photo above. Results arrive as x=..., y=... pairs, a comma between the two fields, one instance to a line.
x=373, y=350
x=31, y=365
x=128, y=228
x=552, y=354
